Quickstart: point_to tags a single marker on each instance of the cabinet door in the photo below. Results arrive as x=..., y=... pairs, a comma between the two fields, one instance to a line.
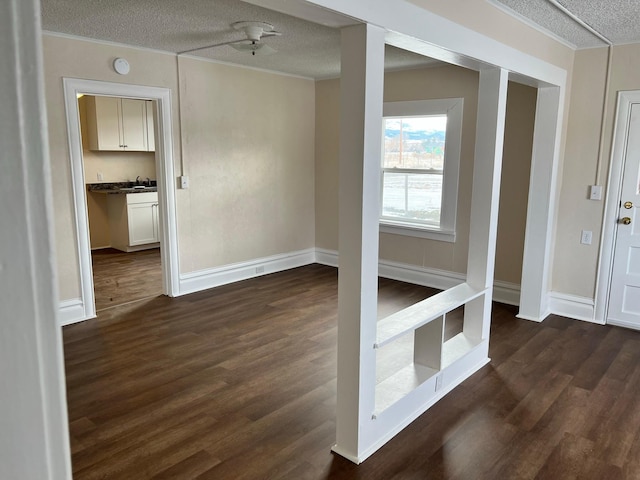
x=156, y=227
x=134, y=124
x=151, y=136
x=142, y=223
x=103, y=115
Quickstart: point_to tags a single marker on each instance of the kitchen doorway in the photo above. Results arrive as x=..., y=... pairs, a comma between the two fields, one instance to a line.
x=163, y=207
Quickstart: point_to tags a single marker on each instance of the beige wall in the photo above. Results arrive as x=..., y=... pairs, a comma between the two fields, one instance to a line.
x=237, y=124
x=248, y=144
x=443, y=82
x=575, y=265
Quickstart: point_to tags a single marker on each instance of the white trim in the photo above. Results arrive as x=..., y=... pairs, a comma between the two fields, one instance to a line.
x=235, y=272
x=409, y=230
x=506, y=292
x=326, y=257
x=503, y=292
x=72, y=311
x=614, y=190
x=622, y=323
x=531, y=24
x=165, y=176
x=573, y=306
x=427, y=277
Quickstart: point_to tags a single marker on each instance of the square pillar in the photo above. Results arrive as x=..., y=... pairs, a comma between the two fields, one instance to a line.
x=361, y=99
x=536, y=261
x=487, y=167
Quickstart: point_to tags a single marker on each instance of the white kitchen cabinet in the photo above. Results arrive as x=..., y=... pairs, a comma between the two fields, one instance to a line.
x=120, y=124
x=133, y=221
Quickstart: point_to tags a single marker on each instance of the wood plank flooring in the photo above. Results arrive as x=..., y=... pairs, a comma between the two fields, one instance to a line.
x=238, y=382
x=120, y=277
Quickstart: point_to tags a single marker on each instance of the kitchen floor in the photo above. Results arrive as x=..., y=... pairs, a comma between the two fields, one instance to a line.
x=120, y=278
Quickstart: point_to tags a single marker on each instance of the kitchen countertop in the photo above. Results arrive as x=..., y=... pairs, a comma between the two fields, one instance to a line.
x=120, y=188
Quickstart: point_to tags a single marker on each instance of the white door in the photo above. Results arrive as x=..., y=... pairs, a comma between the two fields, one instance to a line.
x=624, y=299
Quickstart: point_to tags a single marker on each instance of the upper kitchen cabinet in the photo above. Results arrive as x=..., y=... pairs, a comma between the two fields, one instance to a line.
x=120, y=124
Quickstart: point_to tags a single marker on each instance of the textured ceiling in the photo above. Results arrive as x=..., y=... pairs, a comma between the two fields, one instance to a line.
x=617, y=20
x=304, y=48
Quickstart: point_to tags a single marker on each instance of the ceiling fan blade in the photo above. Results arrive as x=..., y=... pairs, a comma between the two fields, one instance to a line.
x=209, y=46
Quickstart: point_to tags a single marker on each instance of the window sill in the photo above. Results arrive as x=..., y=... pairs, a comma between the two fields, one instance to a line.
x=418, y=231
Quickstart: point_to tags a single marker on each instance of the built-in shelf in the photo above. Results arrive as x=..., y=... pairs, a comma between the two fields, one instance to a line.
x=401, y=384
x=431, y=355
x=415, y=316
x=456, y=348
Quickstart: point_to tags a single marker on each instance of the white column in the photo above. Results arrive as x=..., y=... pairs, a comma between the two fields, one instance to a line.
x=492, y=102
x=536, y=260
x=34, y=441
x=361, y=97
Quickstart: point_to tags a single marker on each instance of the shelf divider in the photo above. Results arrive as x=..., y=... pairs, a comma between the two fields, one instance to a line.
x=421, y=313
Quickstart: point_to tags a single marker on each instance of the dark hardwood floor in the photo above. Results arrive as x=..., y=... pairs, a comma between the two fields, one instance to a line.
x=238, y=382
x=120, y=277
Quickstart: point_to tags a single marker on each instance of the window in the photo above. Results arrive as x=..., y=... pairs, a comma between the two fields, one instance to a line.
x=420, y=164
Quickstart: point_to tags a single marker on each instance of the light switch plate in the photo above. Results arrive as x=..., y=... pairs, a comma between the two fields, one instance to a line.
x=184, y=182
x=587, y=237
x=595, y=192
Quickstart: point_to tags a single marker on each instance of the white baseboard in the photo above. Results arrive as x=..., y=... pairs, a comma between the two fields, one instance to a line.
x=506, y=292
x=573, y=306
x=327, y=257
x=503, y=292
x=622, y=323
x=235, y=272
x=71, y=311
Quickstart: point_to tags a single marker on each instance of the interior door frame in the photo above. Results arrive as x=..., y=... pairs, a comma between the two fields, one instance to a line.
x=614, y=189
x=164, y=172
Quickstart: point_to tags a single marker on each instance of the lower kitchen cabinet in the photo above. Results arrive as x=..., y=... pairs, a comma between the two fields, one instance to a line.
x=133, y=221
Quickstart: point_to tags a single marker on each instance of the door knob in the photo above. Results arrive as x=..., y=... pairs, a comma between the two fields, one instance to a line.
x=628, y=205
x=625, y=220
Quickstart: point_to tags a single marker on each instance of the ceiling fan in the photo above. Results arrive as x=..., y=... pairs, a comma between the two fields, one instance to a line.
x=254, y=33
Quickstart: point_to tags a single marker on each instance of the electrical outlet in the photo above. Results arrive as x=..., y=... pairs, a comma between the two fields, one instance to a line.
x=100, y=177
x=595, y=192
x=260, y=269
x=586, y=237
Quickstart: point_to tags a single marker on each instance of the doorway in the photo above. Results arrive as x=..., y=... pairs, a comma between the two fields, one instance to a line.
x=165, y=206
x=119, y=166
x=622, y=229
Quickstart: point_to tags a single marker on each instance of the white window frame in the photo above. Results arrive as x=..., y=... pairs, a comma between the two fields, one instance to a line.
x=452, y=108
